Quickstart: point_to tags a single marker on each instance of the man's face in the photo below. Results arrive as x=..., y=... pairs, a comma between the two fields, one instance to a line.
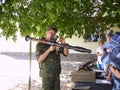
x=108, y=38
x=49, y=34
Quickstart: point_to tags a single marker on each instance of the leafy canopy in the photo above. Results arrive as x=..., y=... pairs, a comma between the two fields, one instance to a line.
x=71, y=17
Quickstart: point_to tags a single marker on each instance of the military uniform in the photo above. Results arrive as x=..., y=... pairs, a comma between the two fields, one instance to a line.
x=50, y=68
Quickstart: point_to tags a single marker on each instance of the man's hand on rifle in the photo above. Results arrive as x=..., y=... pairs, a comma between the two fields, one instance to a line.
x=52, y=48
x=62, y=40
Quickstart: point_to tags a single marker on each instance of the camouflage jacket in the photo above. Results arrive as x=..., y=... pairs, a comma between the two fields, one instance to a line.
x=51, y=65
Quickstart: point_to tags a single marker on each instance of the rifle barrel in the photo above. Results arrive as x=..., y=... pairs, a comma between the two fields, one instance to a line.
x=76, y=48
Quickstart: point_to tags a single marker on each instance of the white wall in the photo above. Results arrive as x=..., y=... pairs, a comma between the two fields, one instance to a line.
x=75, y=41
x=24, y=46
x=19, y=46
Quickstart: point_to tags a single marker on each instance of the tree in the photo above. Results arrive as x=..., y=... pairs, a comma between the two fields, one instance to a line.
x=71, y=17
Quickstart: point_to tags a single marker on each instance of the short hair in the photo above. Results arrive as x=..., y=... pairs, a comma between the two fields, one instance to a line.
x=52, y=28
x=101, y=42
x=110, y=34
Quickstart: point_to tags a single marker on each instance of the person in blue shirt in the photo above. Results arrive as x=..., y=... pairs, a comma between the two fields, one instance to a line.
x=106, y=49
x=113, y=58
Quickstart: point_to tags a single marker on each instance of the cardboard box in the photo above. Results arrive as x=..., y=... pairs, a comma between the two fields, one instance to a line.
x=83, y=76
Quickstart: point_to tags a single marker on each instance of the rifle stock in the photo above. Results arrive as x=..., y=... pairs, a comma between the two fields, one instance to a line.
x=76, y=48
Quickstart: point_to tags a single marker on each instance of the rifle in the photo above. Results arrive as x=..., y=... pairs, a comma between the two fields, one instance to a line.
x=88, y=65
x=76, y=48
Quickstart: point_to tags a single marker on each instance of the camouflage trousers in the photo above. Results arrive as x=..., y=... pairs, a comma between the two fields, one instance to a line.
x=51, y=83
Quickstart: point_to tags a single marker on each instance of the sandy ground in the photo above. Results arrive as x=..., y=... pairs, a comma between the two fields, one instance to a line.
x=15, y=71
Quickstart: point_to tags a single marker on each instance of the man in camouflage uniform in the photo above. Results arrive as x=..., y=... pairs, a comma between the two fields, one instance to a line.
x=48, y=58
